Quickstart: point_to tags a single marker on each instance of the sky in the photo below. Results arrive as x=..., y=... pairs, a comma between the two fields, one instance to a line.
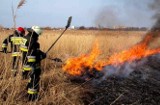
x=88, y=13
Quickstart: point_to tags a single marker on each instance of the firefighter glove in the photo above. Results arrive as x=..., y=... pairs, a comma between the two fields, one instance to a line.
x=44, y=55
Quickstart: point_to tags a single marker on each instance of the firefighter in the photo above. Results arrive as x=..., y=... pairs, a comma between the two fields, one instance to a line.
x=28, y=47
x=15, y=39
x=32, y=56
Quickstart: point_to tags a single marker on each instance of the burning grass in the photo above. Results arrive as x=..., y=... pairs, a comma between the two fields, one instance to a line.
x=78, y=65
x=140, y=87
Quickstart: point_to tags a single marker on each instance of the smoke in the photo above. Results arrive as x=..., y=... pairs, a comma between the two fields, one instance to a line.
x=130, y=13
x=107, y=17
x=125, y=13
x=123, y=70
x=142, y=69
x=155, y=6
x=120, y=70
x=138, y=69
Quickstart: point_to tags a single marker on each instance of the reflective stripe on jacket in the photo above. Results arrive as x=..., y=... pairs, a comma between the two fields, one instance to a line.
x=4, y=45
x=16, y=40
x=23, y=48
x=31, y=58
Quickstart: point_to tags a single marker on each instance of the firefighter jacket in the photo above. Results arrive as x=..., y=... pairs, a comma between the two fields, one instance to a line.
x=31, y=53
x=30, y=43
x=33, y=62
x=15, y=40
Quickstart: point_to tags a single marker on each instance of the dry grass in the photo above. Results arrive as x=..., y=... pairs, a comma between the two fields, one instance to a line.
x=14, y=11
x=21, y=3
x=55, y=88
x=76, y=42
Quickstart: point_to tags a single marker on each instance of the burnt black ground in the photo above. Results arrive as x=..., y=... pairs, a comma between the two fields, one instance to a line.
x=141, y=87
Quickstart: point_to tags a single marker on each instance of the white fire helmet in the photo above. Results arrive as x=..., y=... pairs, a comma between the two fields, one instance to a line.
x=37, y=30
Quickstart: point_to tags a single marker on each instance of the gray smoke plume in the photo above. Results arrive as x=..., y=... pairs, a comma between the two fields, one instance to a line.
x=129, y=13
x=107, y=17
x=155, y=6
x=123, y=70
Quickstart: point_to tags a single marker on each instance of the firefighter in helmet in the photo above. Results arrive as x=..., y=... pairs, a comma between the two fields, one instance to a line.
x=32, y=56
x=28, y=48
x=15, y=39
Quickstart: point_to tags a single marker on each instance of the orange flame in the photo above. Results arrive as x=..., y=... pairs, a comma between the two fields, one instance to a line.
x=78, y=65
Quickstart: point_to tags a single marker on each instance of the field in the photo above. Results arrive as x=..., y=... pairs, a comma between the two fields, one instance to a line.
x=55, y=86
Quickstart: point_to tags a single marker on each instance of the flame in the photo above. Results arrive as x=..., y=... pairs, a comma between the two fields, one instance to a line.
x=79, y=65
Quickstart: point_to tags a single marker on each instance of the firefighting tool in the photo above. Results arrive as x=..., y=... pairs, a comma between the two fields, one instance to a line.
x=68, y=25
x=55, y=59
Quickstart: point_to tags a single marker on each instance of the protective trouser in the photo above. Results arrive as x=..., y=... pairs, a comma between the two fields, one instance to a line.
x=15, y=62
x=33, y=84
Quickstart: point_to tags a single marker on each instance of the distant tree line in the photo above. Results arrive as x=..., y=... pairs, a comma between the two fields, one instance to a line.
x=123, y=29
x=95, y=28
x=103, y=28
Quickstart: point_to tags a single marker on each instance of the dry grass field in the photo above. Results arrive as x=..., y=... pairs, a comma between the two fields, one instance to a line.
x=55, y=87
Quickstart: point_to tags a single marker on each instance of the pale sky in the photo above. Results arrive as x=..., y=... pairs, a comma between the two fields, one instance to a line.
x=54, y=13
